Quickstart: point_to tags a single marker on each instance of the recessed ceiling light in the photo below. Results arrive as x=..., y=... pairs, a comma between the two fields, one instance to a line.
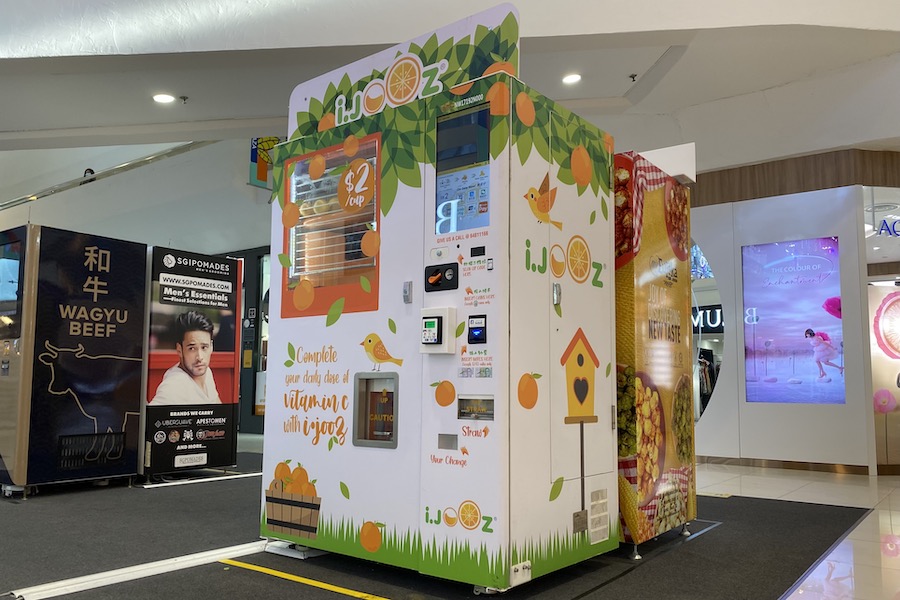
x=163, y=98
x=882, y=207
x=571, y=78
x=876, y=247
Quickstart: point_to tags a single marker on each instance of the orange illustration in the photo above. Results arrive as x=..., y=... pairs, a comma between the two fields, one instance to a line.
x=282, y=471
x=373, y=97
x=462, y=88
x=578, y=257
x=316, y=166
x=402, y=80
x=469, y=515
x=582, y=169
x=299, y=477
x=557, y=261
x=377, y=353
x=525, y=109
x=351, y=146
x=370, y=243
x=500, y=67
x=528, y=390
x=308, y=489
x=326, y=122
x=608, y=142
x=357, y=186
x=498, y=96
x=290, y=216
x=444, y=393
x=370, y=537
x=304, y=294
x=450, y=517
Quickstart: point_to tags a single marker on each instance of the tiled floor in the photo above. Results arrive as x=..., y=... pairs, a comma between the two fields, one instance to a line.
x=865, y=565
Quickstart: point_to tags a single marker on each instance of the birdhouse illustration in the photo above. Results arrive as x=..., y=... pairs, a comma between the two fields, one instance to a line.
x=581, y=367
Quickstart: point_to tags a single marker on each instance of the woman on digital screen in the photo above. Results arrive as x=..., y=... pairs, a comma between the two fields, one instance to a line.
x=823, y=351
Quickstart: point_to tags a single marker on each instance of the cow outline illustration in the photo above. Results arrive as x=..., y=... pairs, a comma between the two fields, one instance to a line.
x=49, y=358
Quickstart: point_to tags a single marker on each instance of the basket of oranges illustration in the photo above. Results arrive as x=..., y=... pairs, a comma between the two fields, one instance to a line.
x=292, y=503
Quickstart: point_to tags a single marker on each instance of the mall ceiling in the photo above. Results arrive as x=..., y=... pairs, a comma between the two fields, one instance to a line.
x=743, y=94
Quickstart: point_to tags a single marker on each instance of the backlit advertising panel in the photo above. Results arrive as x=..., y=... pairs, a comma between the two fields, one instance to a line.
x=793, y=339
x=192, y=388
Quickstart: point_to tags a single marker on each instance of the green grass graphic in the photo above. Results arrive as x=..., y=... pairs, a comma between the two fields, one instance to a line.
x=453, y=559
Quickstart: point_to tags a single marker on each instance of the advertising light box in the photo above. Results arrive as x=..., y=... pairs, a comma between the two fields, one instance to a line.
x=793, y=340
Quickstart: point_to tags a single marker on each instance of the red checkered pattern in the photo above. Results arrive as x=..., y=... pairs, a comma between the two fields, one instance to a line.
x=673, y=477
x=647, y=177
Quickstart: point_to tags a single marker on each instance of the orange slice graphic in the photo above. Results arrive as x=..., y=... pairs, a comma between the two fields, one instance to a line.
x=402, y=80
x=469, y=514
x=578, y=256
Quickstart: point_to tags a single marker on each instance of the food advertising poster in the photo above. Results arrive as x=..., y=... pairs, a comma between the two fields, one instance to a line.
x=86, y=389
x=193, y=374
x=793, y=340
x=657, y=490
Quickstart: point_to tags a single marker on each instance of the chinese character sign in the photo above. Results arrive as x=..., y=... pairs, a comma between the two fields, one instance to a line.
x=86, y=390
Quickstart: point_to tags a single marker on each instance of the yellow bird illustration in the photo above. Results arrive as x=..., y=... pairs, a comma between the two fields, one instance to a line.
x=377, y=353
x=541, y=201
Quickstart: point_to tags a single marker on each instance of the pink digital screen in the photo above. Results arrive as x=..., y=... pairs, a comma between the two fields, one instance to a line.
x=793, y=336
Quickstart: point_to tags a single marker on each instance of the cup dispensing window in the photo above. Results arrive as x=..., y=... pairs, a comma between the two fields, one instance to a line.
x=462, y=187
x=375, y=410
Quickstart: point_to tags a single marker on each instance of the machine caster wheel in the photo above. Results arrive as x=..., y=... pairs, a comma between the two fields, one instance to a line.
x=478, y=590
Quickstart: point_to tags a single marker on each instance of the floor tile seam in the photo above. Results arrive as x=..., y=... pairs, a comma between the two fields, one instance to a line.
x=96, y=580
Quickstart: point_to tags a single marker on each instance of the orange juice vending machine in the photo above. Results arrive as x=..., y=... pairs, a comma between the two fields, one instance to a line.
x=441, y=382
x=71, y=356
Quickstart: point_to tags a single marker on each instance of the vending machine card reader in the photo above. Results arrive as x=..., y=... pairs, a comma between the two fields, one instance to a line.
x=431, y=330
x=437, y=337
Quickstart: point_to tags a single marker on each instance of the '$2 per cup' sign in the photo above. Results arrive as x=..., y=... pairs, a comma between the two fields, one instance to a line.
x=356, y=188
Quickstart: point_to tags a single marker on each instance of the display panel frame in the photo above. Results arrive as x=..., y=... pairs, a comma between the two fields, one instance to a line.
x=462, y=167
x=11, y=320
x=792, y=322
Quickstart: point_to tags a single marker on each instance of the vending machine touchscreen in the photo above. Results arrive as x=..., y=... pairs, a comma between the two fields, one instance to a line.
x=462, y=187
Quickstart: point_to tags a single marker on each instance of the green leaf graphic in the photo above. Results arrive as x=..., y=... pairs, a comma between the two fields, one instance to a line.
x=285, y=260
x=334, y=313
x=292, y=352
x=499, y=136
x=345, y=491
x=330, y=443
x=536, y=375
x=558, y=309
x=593, y=217
x=460, y=328
x=388, y=187
x=523, y=144
x=509, y=29
x=556, y=489
x=289, y=363
x=604, y=208
x=364, y=284
x=392, y=326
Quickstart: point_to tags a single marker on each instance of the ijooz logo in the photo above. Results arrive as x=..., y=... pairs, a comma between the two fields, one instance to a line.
x=467, y=515
x=405, y=80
